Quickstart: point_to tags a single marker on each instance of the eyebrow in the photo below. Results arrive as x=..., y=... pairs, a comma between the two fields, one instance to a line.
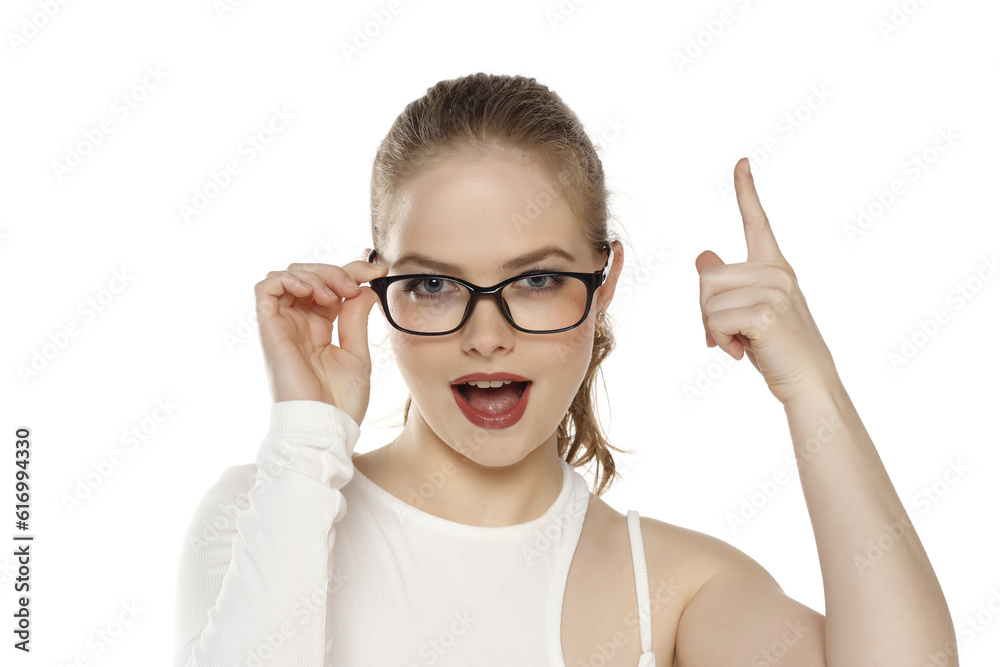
x=510, y=265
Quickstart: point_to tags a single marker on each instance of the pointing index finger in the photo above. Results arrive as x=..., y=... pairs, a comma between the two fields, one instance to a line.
x=761, y=244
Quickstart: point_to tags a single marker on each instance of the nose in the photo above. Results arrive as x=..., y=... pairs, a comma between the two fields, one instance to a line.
x=487, y=328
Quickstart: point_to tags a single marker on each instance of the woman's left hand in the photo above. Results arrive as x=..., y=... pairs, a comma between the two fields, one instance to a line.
x=756, y=306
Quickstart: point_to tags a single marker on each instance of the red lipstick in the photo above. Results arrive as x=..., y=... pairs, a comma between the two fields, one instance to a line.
x=489, y=420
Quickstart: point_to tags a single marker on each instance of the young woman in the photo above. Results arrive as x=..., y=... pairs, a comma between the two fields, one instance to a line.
x=471, y=539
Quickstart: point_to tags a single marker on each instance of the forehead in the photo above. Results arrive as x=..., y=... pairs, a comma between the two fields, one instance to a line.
x=479, y=211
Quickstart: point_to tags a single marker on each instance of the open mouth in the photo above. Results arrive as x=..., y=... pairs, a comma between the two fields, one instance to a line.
x=492, y=402
x=493, y=407
x=466, y=390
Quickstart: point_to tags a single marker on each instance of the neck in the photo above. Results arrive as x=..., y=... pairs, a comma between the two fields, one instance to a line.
x=473, y=485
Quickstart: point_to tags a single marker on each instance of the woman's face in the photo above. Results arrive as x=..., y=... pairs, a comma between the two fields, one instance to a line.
x=477, y=213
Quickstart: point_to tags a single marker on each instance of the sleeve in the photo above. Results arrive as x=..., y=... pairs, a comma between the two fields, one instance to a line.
x=256, y=555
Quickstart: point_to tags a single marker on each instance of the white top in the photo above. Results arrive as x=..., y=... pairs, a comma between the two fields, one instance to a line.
x=276, y=571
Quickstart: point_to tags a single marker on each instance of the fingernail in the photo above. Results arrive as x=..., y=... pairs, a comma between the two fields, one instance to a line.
x=746, y=168
x=351, y=283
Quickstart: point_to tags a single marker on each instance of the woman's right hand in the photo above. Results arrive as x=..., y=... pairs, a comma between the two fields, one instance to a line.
x=295, y=312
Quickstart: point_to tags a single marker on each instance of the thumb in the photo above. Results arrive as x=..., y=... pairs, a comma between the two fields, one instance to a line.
x=353, y=319
x=702, y=262
x=707, y=259
x=353, y=323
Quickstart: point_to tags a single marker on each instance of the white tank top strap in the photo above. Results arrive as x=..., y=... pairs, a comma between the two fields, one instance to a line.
x=641, y=591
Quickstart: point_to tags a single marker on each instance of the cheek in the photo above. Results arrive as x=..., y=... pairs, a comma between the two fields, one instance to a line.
x=399, y=341
x=572, y=355
x=576, y=347
x=408, y=351
x=417, y=359
x=414, y=350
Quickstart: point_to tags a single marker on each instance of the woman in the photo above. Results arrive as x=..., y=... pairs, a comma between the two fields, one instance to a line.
x=471, y=539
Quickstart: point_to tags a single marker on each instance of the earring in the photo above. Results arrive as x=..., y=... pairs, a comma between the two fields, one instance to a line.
x=600, y=322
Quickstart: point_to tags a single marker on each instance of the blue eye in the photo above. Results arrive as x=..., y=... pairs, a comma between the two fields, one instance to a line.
x=430, y=287
x=437, y=282
x=411, y=285
x=546, y=284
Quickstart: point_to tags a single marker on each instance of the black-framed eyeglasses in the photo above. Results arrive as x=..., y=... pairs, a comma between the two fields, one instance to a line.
x=538, y=302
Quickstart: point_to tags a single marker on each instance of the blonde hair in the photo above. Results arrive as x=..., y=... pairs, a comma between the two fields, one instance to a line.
x=483, y=113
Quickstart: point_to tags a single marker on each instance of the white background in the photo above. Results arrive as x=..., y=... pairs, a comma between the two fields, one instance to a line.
x=673, y=134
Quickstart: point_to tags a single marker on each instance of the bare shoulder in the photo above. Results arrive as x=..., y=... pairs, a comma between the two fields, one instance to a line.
x=699, y=555
x=703, y=590
x=678, y=563
x=688, y=557
x=729, y=605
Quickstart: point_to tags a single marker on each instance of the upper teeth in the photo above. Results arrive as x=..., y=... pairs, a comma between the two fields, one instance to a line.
x=486, y=384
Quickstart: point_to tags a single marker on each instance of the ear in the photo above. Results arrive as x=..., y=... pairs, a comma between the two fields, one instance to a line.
x=607, y=291
x=370, y=255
